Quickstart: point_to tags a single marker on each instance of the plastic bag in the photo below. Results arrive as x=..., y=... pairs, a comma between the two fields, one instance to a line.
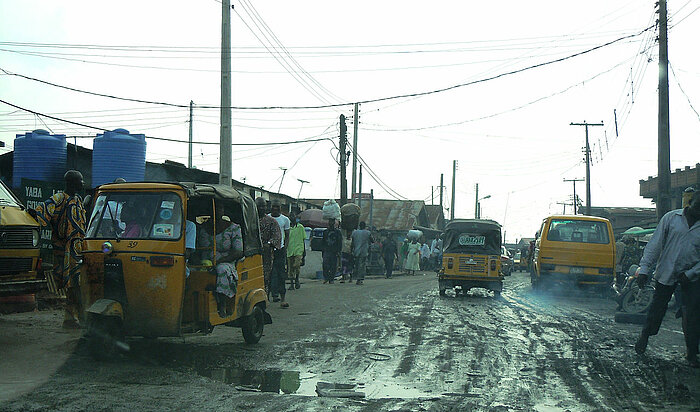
x=414, y=234
x=331, y=210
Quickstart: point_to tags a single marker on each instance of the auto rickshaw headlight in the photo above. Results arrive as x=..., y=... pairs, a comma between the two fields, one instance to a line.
x=107, y=248
x=35, y=238
x=450, y=263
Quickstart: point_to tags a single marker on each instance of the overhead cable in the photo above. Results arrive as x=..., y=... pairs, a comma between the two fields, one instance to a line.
x=379, y=99
x=160, y=138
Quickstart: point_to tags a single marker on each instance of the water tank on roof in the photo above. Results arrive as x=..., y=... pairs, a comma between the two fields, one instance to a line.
x=118, y=154
x=39, y=155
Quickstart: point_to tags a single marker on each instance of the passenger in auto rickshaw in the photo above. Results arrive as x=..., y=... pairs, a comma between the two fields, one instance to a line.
x=229, y=249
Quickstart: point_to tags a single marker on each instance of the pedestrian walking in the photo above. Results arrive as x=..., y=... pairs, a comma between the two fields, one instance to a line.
x=404, y=252
x=436, y=252
x=271, y=237
x=346, y=259
x=361, y=239
x=389, y=252
x=424, y=256
x=673, y=255
x=332, y=244
x=278, y=276
x=64, y=213
x=412, y=257
x=295, y=251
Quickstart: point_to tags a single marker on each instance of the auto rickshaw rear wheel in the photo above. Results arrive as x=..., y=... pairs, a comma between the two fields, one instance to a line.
x=103, y=333
x=253, y=325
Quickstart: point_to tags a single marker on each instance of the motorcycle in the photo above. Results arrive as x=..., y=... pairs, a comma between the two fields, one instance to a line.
x=631, y=298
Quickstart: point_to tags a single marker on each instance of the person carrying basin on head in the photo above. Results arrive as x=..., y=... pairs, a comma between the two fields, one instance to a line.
x=332, y=245
x=673, y=256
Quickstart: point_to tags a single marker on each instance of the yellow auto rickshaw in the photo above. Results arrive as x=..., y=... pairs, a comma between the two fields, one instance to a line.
x=140, y=277
x=471, y=256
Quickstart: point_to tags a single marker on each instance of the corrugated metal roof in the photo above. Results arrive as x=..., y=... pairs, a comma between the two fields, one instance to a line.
x=395, y=214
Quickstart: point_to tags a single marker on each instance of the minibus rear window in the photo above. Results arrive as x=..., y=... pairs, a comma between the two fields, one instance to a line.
x=579, y=231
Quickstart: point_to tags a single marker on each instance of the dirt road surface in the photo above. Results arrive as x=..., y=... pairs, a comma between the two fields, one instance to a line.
x=394, y=340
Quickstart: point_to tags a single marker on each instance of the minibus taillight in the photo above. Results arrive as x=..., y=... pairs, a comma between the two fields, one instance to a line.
x=492, y=265
x=450, y=263
x=38, y=265
x=162, y=260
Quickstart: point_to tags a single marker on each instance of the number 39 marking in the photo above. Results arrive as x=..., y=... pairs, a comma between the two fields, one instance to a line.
x=132, y=244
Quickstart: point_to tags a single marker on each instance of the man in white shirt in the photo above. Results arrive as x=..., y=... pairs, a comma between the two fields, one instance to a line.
x=279, y=271
x=673, y=256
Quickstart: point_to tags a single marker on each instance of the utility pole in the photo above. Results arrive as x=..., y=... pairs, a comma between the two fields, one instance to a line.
x=588, y=164
x=343, y=162
x=432, y=195
x=359, y=187
x=563, y=204
x=476, y=203
x=371, y=206
x=300, y=187
x=284, y=172
x=574, y=181
x=452, y=207
x=442, y=185
x=189, y=153
x=356, y=122
x=225, y=110
x=663, y=198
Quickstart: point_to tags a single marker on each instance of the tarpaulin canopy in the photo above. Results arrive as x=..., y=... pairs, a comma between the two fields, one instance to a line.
x=313, y=218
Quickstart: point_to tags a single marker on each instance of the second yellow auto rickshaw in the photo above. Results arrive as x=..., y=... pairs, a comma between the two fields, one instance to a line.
x=471, y=256
x=140, y=277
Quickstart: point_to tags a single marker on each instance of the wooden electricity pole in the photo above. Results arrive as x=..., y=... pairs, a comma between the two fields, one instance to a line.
x=587, y=149
x=663, y=197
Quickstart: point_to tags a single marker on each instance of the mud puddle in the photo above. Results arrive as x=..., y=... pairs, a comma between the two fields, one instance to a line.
x=309, y=384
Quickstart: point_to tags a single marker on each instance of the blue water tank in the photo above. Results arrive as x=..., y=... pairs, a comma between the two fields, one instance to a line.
x=39, y=155
x=118, y=154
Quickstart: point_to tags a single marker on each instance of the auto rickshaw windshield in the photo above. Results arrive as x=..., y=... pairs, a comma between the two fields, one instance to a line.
x=136, y=215
x=473, y=238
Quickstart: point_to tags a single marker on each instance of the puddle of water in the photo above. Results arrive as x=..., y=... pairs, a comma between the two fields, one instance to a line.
x=295, y=382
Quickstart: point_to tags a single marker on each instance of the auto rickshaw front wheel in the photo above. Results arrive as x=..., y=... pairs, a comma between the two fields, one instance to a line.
x=253, y=325
x=103, y=334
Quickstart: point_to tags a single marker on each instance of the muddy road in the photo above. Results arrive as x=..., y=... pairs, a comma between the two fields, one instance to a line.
x=395, y=341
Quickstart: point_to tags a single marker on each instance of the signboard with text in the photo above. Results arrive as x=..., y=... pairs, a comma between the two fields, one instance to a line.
x=32, y=193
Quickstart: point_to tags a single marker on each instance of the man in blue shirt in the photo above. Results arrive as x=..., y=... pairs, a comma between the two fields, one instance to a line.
x=673, y=254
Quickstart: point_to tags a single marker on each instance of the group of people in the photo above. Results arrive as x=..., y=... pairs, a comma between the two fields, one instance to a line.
x=347, y=256
x=351, y=253
x=283, y=250
x=420, y=256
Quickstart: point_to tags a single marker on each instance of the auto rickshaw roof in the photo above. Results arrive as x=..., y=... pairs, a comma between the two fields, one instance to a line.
x=478, y=224
x=193, y=189
x=213, y=190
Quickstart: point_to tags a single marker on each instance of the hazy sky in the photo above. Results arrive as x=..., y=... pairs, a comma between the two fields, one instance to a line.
x=510, y=134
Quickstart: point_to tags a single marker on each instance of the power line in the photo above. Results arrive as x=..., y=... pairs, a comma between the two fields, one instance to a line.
x=380, y=99
x=158, y=138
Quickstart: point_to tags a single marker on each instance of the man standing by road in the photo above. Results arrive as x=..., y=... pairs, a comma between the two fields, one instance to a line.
x=332, y=244
x=674, y=253
x=361, y=238
x=64, y=213
x=295, y=250
x=279, y=263
x=389, y=252
x=271, y=237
